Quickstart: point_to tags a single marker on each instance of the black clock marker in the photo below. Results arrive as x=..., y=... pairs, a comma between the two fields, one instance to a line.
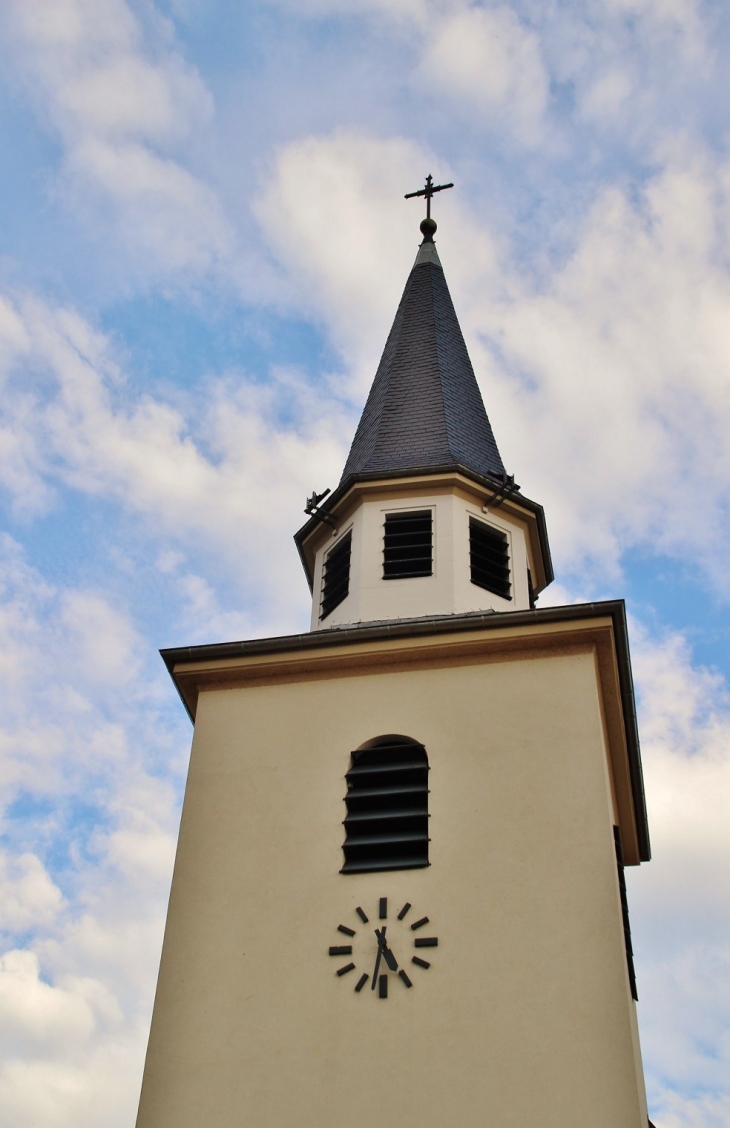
x=420, y=962
x=419, y=923
x=344, y=970
x=427, y=942
x=361, y=914
x=405, y=978
x=347, y=931
x=361, y=982
x=383, y=987
x=404, y=910
x=342, y=950
x=383, y=908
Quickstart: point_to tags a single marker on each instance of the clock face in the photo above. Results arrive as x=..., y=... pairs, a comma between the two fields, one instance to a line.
x=383, y=949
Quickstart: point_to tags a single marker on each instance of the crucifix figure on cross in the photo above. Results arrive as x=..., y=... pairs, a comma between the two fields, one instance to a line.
x=428, y=225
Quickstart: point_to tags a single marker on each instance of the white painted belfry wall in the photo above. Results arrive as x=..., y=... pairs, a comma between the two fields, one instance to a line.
x=449, y=590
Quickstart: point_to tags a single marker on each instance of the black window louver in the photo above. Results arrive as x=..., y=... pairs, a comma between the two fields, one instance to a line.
x=408, y=545
x=625, y=912
x=336, y=576
x=387, y=808
x=489, y=558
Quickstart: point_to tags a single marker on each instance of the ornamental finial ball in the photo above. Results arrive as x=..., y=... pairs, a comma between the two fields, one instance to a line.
x=428, y=229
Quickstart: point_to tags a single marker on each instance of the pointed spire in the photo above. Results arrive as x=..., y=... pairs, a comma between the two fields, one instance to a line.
x=425, y=410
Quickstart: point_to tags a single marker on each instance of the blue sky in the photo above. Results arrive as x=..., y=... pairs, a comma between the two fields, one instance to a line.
x=203, y=242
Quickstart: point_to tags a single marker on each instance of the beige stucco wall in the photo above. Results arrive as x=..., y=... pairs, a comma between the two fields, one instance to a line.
x=525, y=1016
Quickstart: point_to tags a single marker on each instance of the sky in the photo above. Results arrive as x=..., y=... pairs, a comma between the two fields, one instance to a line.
x=203, y=241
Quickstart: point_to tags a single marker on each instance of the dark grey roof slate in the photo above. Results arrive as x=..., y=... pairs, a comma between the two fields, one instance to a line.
x=424, y=408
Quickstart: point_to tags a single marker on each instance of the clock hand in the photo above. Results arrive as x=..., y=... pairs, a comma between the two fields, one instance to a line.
x=381, y=941
x=384, y=950
x=390, y=959
x=387, y=954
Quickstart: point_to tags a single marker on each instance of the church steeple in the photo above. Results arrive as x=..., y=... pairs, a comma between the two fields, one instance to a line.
x=476, y=761
x=425, y=409
x=424, y=498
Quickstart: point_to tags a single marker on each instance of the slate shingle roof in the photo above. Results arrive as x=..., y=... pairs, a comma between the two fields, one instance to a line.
x=424, y=408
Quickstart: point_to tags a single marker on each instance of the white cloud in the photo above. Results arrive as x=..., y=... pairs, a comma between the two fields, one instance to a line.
x=171, y=215
x=201, y=612
x=680, y=901
x=636, y=69
x=406, y=10
x=121, y=98
x=607, y=97
x=705, y=1111
x=75, y=998
x=107, y=646
x=491, y=61
x=28, y=896
x=99, y=74
x=63, y=710
x=227, y=470
x=619, y=368
x=33, y=1013
x=685, y=727
x=483, y=57
x=679, y=17
x=632, y=68
x=67, y=1059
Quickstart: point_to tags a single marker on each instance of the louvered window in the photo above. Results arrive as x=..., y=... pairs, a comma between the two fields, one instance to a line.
x=336, y=575
x=408, y=545
x=489, y=558
x=625, y=912
x=387, y=808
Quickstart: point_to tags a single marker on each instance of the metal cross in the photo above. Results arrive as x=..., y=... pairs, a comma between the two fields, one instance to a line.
x=428, y=192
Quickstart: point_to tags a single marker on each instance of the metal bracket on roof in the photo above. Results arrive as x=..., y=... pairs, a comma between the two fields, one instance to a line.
x=312, y=508
x=507, y=487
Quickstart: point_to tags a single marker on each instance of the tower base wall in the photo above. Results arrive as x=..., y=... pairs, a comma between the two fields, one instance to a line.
x=525, y=1014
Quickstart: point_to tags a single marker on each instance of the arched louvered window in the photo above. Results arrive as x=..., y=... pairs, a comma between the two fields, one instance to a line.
x=387, y=806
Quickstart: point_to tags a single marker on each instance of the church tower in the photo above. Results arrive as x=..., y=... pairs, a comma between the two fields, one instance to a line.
x=398, y=895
